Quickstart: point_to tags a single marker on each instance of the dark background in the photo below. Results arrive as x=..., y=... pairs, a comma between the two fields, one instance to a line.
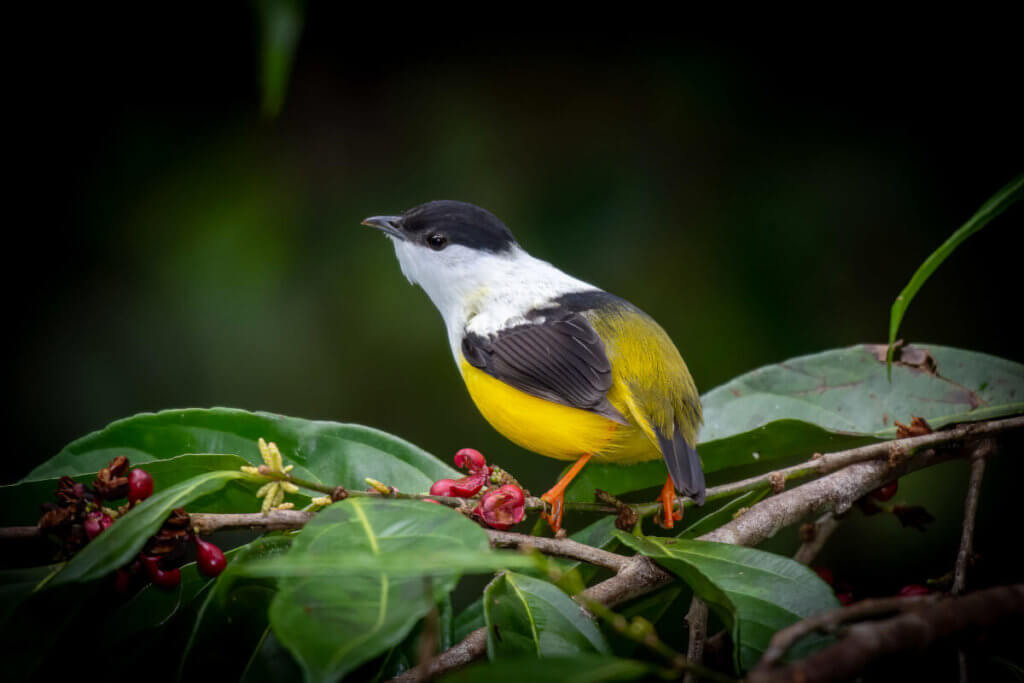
x=762, y=197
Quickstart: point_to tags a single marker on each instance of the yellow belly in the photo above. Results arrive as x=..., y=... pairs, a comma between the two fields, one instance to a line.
x=553, y=429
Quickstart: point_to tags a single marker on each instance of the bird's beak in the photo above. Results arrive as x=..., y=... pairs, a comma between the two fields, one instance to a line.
x=387, y=224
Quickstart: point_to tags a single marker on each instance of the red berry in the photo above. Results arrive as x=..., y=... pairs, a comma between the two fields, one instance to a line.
x=95, y=523
x=442, y=487
x=503, y=507
x=825, y=575
x=886, y=492
x=140, y=485
x=470, y=459
x=914, y=589
x=123, y=580
x=165, y=578
x=845, y=598
x=209, y=558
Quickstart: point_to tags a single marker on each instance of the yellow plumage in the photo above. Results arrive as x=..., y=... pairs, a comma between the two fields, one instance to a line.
x=651, y=387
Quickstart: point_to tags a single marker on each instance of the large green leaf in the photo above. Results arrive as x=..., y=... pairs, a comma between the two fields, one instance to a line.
x=754, y=592
x=119, y=544
x=334, y=623
x=528, y=617
x=327, y=452
x=19, y=503
x=826, y=402
x=232, y=622
x=588, y=668
x=16, y=585
x=152, y=606
x=999, y=202
x=651, y=607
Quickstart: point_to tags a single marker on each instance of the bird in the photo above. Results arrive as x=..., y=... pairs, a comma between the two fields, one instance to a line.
x=558, y=366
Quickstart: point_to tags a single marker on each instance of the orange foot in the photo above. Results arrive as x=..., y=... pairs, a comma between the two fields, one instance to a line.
x=556, y=496
x=669, y=514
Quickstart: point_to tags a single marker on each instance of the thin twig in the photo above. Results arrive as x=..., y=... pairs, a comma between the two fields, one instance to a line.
x=697, y=622
x=642, y=632
x=560, y=547
x=963, y=557
x=818, y=533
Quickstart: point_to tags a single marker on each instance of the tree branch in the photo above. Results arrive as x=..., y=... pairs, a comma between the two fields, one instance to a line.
x=916, y=629
x=834, y=492
x=560, y=547
x=817, y=534
x=697, y=622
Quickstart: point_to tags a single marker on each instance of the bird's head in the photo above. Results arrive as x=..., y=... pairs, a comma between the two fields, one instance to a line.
x=449, y=248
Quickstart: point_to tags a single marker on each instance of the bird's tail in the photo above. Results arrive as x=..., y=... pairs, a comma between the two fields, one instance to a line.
x=683, y=464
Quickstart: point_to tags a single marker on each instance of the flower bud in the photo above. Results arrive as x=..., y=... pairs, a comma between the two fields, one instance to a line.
x=471, y=459
x=442, y=487
x=502, y=507
x=140, y=485
x=209, y=558
x=468, y=486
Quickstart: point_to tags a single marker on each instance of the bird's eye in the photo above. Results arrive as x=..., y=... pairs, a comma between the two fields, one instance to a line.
x=437, y=242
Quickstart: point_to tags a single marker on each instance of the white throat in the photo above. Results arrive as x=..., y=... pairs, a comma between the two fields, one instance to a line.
x=481, y=292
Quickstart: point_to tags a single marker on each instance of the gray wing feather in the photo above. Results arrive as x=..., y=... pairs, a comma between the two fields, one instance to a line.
x=560, y=359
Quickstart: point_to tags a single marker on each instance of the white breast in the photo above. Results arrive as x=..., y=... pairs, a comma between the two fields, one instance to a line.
x=481, y=292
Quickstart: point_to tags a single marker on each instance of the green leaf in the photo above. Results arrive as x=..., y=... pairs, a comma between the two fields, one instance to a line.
x=271, y=662
x=826, y=402
x=998, y=203
x=231, y=627
x=326, y=452
x=722, y=515
x=16, y=585
x=120, y=543
x=755, y=593
x=651, y=607
x=579, y=669
x=152, y=606
x=280, y=28
x=334, y=623
x=29, y=637
x=528, y=617
x=19, y=503
x=469, y=619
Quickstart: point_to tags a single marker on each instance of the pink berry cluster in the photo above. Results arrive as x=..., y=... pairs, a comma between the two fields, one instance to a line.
x=209, y=559
x=499, y=507
x=81, y=512
x=84, y=512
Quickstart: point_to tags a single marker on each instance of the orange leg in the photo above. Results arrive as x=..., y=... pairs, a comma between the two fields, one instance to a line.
x=556, y=495
x=668, y=505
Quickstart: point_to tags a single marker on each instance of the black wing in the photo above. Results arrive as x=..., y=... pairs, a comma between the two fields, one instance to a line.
x=560, y=358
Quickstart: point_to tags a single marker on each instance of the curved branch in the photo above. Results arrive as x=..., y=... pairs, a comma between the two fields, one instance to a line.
x=834, y=492
x=916, y=629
